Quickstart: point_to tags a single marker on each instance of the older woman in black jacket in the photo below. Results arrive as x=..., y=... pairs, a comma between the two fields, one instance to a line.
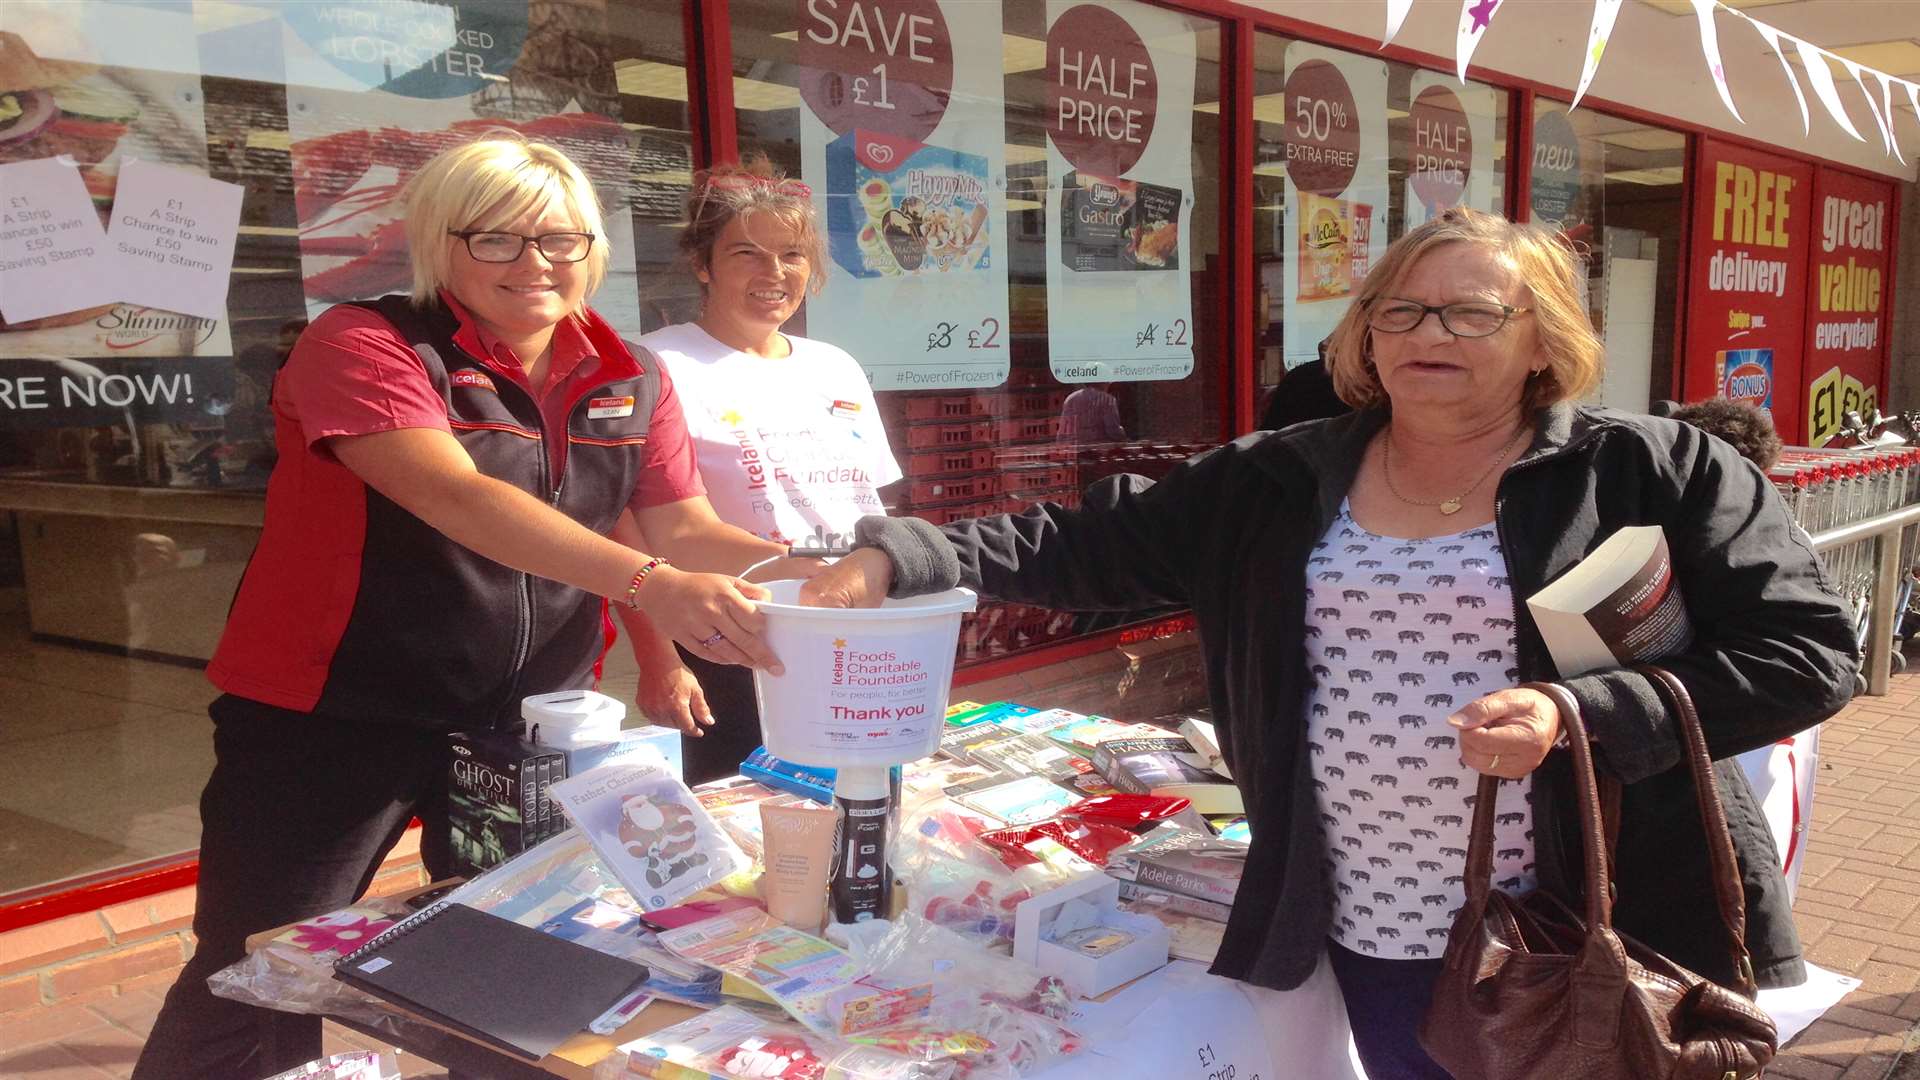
x=1358, y=585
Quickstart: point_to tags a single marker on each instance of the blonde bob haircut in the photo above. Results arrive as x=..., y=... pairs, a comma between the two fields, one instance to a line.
x=489, y=184
x=1551, y=272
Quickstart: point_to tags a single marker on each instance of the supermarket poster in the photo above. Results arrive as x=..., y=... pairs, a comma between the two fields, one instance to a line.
x=1847, y=301
x=1119, y=119
x=902, y=137
x=1336, y=189
x=1746, y=304
x=373, y=93
x=114, y=83
x=1450, y=137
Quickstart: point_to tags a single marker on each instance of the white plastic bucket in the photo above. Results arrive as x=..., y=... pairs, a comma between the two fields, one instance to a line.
x=863, y=686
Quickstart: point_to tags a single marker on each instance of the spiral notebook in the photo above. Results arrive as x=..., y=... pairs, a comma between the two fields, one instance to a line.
x=504, y=984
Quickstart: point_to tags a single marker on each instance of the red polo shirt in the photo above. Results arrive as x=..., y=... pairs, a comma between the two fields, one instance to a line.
x=351, y=373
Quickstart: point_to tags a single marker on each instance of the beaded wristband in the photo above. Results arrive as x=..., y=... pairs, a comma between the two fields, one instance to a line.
x=640, y=578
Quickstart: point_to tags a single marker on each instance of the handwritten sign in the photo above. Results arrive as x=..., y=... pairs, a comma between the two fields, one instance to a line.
x=174, y=232
x=53, y=256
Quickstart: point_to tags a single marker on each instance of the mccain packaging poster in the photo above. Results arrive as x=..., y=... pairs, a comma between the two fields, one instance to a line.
x=902, y=137
x=1119, y=119
x=1847, y=299
x=1336, y=188
x=1746, y=301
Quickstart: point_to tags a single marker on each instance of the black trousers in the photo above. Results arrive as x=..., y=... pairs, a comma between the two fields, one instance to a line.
x=1386, y=1000
x=736, y=715
x=295, y=820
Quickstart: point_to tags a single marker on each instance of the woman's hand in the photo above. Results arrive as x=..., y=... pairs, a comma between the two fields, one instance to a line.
x=1507, y=733
x=859, y=580
x=712, y=615
x=671, y=697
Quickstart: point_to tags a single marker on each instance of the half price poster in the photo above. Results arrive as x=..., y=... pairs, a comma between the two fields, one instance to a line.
x=1119, y=118
x=1336, y=188
x=905, y=149
x=1847, y=299
x=1450, y=136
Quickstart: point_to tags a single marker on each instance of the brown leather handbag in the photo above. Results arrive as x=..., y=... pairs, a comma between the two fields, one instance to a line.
x=1531, y=991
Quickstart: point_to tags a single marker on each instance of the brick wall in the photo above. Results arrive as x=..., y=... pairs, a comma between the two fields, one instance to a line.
x=81, y=959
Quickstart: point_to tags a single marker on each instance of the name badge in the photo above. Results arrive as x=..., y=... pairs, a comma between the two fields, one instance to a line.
x=470, y=377
x=609, y=408
x=845, y=410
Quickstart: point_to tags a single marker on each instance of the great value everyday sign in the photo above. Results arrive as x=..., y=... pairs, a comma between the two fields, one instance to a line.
x=1847, y=304
x=1746, y=310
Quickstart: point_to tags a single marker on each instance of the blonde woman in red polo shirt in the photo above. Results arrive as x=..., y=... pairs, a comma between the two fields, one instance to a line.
x=452, y=464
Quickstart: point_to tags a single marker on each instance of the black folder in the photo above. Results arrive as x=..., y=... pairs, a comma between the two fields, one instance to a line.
x=497, y=981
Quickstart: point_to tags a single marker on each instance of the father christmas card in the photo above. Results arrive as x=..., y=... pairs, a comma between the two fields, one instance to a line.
x=651, y=834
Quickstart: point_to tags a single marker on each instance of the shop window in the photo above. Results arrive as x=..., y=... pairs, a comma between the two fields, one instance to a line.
x=1024, y=254
x=1613, y=187
x=1350, y=152
x=135, y=442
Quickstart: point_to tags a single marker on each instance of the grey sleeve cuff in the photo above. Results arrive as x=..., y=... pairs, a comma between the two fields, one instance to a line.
x=924, y=561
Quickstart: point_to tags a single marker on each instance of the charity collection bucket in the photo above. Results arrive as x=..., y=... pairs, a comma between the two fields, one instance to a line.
x=863, y=686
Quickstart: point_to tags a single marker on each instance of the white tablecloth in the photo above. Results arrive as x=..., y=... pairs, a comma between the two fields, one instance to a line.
x=1181, y=1023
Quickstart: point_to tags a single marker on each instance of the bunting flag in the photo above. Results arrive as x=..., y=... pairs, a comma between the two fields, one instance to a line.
x=1772, y=37
x=1604, y=13
x=1881, y=108
x=1710, y=45
x=1815, y=61
x=1396, y=16
x=1475, y=17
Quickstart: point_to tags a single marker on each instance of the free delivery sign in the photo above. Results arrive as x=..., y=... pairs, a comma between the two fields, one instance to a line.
x=1753, y=234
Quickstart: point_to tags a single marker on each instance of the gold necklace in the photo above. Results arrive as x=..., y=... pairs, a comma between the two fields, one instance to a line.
x=1445, y=506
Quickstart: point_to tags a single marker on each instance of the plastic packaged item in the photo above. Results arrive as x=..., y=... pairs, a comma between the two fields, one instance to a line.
x=292, y=971
x=991, y=1016
x=1091, y=841
x=1126, y=810
x=648, y=829
x=732, y=1042
x=953, y=880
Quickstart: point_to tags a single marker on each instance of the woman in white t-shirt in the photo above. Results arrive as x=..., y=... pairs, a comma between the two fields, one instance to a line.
x=788, y=437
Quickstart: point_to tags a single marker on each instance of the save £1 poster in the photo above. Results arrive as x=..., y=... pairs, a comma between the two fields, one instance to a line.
x=902, y=138
x=1119, y=119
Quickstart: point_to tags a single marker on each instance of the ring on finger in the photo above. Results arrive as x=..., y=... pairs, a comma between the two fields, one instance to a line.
x=713, y=639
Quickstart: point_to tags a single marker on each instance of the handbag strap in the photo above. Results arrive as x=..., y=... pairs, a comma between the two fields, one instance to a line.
x=1727, y=889
x=1479, y=872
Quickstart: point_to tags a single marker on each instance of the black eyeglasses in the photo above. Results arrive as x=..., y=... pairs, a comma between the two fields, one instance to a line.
x=1467, y=320
x=490, y=246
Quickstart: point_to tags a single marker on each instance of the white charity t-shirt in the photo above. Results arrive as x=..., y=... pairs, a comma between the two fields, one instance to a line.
x=791, y=449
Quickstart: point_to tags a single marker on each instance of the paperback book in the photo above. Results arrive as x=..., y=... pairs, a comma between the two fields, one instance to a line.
x=1619, y=605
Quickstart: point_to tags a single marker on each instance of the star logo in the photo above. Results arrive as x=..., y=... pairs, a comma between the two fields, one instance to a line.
x=731, y=418
x=839, y=643
x=1482, y=13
